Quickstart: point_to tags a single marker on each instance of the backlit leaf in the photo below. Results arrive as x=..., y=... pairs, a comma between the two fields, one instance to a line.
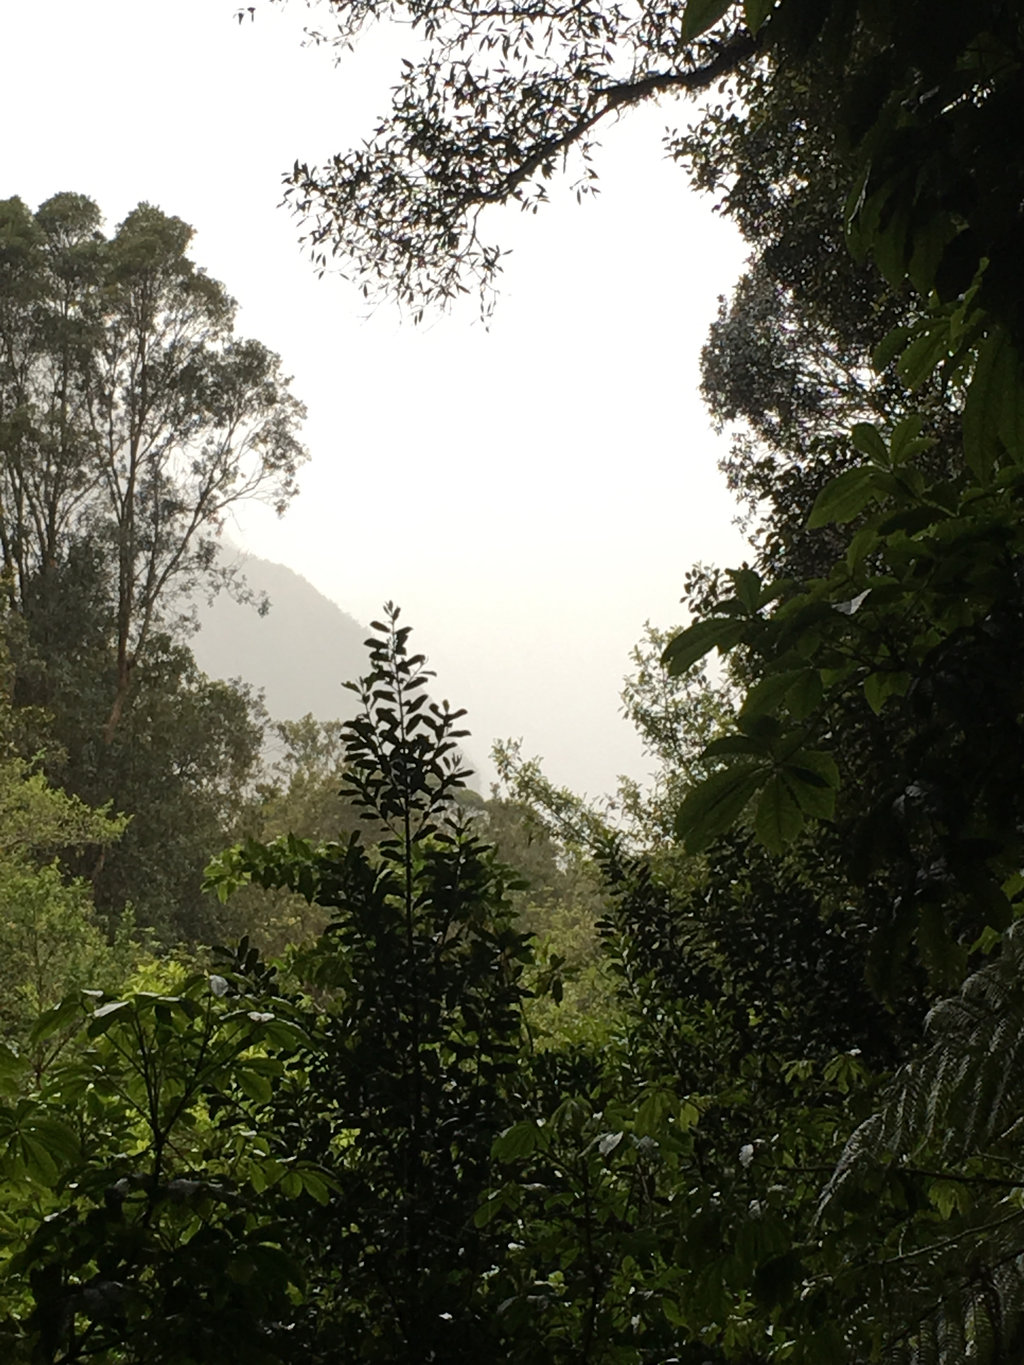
x=844, y=497
x=691, y=644
x=779, y=818
x=711, y=808
x=699, y=16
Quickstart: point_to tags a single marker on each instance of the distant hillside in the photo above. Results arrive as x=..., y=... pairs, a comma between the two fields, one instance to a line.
x=300, y=653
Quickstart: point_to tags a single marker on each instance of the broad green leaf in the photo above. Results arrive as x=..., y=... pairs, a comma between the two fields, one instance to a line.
x=712, y=807
x=489, y=1209
x=700, y=15
x=779, y=818
x=805, y=694
x=994, y=371
x=879, y=687
x=254, y=1085
x=60, y=1140
x=905, y=432
x=762, y=727
x=691, y=644
x=748, y=588
x=949, y=1197
x=845, y=1071
x=34, y=1156
x=518, y=1141
x=755, y=12
x=60, y=1016
x=889, y=246
x=890, y=347
x=688, y=1116
x=988, y=939
x=315, y=1185
x=868, y=440
x=930, y=240
x=654, y=1112
x=864, y=542
x=922, y=356
x=819, y=766
x=912, y=520
x=768, y=695
x=844, y=497
x=674, y=1313
x=290, y=1184
x=106, y=1015
x=810, y=791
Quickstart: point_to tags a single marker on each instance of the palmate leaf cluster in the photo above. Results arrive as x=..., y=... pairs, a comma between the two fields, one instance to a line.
x=893, y=669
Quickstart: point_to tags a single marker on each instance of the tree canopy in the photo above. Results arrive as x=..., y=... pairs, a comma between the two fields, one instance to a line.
x=793, y=1132
x=131, y=417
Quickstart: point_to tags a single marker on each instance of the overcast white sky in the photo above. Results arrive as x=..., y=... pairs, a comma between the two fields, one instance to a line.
x=530, y=494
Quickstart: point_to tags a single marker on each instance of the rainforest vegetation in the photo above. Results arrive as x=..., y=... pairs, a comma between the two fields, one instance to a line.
x=726, y=1072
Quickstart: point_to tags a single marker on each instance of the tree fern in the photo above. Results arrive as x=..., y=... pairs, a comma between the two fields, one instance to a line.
x=944, y=1152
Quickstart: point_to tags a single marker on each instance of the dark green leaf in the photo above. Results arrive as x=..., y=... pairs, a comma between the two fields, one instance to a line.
x=921, y=358
x=735, y=744
x=755, y=12
x=805, y=694
x=53, y=1020
x=747, y=586
x=518, y=1141
x=691, y=644
x=905, y=433
x=868, y=440
x=879, y=687
x=815, y=797
x=768, y=695
x=844, y=497
x=779, y=818
x=994, y=371
x=819, y=762
x=890, y=347
x=489, y=1209
x=700, y=15
x=929, y=242
x=712, y=807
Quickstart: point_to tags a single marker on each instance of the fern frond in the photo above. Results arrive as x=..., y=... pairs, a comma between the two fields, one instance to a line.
x=952, y=1270
x=967, y=1088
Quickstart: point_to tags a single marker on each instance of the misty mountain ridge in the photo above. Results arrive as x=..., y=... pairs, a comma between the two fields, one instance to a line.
x=298, y=654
